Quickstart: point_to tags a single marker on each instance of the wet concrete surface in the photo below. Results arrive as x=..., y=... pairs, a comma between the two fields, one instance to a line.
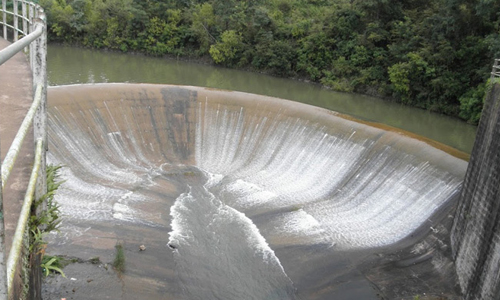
x=97, y=218
x=422, y=270
x=147, y=273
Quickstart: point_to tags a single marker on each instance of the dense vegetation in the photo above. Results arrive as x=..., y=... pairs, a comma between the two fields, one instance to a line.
x=433, y=54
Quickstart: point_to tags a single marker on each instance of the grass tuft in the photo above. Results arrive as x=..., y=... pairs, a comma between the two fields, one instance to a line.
x=119, y=261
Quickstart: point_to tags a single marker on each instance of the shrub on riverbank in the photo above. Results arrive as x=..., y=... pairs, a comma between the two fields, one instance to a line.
x=432, y=54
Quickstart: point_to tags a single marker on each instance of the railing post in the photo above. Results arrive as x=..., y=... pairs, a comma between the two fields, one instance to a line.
x=3, y=257
x=31, y=15
x=32, y=28
x=40, y=119
x=25, y=15
x=25, y=22
x=4, y=18
x=16, y=23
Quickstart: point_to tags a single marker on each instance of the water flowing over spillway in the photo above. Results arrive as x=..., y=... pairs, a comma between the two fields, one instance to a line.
x=248, y=193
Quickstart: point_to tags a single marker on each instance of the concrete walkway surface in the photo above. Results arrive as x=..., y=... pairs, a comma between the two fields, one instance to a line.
x=15, y=99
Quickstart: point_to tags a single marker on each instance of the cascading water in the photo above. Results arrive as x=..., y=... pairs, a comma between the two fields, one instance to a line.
x=360, y=191
x=217, y=246
x=250, y=189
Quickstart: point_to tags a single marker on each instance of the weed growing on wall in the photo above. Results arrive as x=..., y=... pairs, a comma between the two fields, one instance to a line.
x=47, y=221
x=52, y=264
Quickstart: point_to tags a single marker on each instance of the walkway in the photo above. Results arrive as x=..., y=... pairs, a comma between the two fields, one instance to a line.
x=15, y=99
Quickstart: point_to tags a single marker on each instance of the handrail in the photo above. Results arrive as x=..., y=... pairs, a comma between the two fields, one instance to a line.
x=17, y=243
x=13, y=49
x=12, y=153
x=26, y=16
x=34, y=32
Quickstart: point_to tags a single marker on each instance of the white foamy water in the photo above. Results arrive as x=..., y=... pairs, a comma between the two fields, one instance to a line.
x=103, y=167
x=222, y=253
x=352, y=190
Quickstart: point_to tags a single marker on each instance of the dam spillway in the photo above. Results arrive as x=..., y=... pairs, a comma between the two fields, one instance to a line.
x=255, y=196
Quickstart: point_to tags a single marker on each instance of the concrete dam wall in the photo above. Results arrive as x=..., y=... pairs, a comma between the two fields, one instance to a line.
x=241, y=196
x=476, y=229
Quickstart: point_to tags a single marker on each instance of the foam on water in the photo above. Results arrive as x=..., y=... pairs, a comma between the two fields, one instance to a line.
x=361, y=192
x=181, y=234
x=204, y=231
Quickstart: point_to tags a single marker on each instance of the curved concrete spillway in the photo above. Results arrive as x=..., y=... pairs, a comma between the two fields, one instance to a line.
x=239, y=184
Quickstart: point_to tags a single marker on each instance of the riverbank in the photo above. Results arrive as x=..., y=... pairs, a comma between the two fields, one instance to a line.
x=69, y=65
x=206, y=60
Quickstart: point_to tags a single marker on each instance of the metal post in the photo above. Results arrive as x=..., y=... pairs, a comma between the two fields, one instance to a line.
x=31, y=17
x=25, y=15
x=25, y=22
x=16, y=23
x=4, y=8
x=3, y=261
x=32, y=28
x=40, y=119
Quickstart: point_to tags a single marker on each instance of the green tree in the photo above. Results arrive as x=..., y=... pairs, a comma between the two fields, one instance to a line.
x=399, y=75
x=61, y=15
x=225, y=51
x=277, y=57
x=471, y=104
x=433, y=54
x=203, y=20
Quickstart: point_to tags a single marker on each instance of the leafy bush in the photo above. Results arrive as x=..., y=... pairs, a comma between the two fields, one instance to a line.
x=430, y=54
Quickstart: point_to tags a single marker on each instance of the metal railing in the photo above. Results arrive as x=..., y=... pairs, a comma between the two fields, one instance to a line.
x=495, y=71
x=33, y=34
x=19, y=23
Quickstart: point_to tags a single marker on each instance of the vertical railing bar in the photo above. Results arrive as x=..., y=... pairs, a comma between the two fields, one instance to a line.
x=32, y=25
x=40, y=120
x=25, y=23
x=24, y=7
x=16, y=24
x=4, y=17
x=25, y=18
x=31, y=17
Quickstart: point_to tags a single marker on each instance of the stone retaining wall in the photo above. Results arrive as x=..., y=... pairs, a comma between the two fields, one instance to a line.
x=476, y=231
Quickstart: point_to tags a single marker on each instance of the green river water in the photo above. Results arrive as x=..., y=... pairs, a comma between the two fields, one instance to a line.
x=70, y=65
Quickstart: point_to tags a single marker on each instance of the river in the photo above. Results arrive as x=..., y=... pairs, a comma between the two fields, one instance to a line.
x=71, y=65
